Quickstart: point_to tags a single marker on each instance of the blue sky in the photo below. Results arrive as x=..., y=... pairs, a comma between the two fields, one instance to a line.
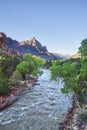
x=59, y=24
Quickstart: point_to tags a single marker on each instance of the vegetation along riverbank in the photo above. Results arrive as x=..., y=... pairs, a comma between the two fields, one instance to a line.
x=74, y=75
x=16, y=76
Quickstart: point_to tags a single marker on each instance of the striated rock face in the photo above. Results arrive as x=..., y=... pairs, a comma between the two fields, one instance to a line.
x=31, y=46
x=35, y=44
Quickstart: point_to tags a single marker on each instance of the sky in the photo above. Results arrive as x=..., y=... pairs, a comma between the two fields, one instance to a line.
x=61, y=25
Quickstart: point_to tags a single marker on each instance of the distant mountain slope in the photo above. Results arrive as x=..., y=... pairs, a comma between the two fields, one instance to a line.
x=75, y=56
x=62, y=56
x=31, y=46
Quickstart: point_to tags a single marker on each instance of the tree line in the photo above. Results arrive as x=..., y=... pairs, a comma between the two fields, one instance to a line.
x=73, y=73
x=14, y=69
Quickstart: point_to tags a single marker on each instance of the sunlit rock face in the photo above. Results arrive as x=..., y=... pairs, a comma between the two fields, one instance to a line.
x=31, y=46
x=77, y=55
x=34, y=44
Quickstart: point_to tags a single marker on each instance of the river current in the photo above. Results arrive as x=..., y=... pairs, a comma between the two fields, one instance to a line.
x=41, y=108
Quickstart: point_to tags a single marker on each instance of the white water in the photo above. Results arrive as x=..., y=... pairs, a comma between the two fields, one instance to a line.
x=41, y=108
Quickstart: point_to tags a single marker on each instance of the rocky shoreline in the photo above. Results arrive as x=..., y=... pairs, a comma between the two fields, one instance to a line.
x=16, y=91
x=69, y=123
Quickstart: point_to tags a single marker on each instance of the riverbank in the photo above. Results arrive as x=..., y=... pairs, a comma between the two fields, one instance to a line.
x=16, y=91
x=69, y=123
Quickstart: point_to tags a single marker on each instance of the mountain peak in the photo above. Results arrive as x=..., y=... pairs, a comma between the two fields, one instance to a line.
x=33, y=38
x=32, y=46
x=32, y=41
x=2, y=34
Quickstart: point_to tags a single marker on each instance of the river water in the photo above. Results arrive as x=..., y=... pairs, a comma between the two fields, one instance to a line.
x=41, y=108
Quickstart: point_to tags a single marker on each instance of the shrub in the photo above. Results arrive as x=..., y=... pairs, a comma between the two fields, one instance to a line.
x=16, y=77
x=4, y=86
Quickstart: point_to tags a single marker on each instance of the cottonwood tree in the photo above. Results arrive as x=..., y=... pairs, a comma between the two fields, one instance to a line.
x=30, y=65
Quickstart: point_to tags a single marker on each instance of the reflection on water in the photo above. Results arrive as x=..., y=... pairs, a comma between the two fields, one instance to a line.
x=41, y=108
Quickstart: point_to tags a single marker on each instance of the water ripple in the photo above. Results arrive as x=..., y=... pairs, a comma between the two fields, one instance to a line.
x=41, y=108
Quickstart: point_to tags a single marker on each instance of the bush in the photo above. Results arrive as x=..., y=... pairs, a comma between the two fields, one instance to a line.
x=16, y=77
x=4, y=86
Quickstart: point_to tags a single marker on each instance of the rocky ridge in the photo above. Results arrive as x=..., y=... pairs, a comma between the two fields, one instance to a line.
x=31, y=46
x=62, y=56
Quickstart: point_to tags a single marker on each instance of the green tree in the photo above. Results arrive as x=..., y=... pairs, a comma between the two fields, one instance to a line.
x=22, y=68
x=83, y=48
x=74, y=74
x=30, y=65
x=68, y=72
x=83, y=71
x=56, y=70
x=8, y=65
x=4, y=86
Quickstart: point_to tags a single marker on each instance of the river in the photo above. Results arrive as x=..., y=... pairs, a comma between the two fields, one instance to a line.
x=41, y=108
